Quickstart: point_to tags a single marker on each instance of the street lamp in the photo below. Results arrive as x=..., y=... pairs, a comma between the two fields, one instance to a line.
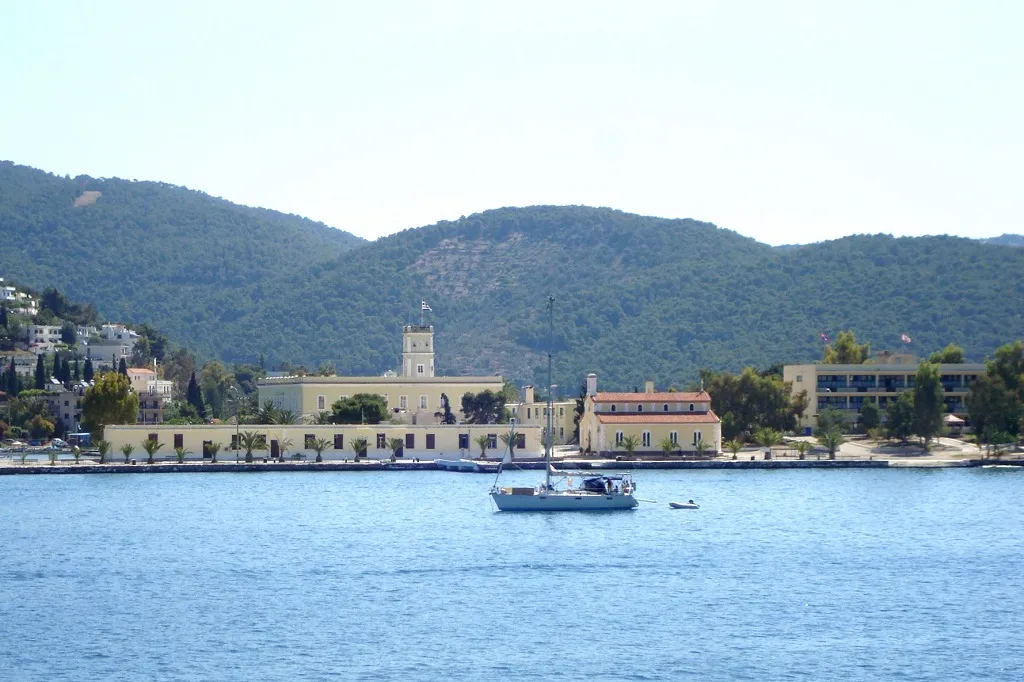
x=238, y=407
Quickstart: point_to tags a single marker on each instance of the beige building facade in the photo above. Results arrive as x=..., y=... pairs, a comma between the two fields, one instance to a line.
x=427, y=442
x=684, y=418
x=414, y=397
x=530, y=412
x=848, y=387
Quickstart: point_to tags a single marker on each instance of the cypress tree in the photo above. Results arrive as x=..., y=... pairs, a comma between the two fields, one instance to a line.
x=193, y=396
x=122, y=367
x=87, y=370
x=40, y=372
x=76, y=374
x=13, y=381
x=3, y=315
x=65, y=371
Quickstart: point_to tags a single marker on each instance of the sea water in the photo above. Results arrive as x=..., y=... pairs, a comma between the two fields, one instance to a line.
x=815, y=575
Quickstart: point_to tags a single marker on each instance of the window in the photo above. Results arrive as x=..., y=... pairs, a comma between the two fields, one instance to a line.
x=179, y=440
x=613, y=408
x=561, y=411
x=492, y=440
x=430, y=441
x=665, y=408
x=403, y=402
x=696, y=437
x=339, y=441
x=674, y=437
x=342, y=397
x=639, y=408
x=521, y=441
x=321, y=402
x=307, y=441
x=419, y=369
x=423, y=402
x=234, y=442
x=691, y=407
x=527, y=412
x=382, y=441
x=618, y=437
x=799, y=378
x=463, y=441
x=561, y=432
x=410, y=440
x=646, y=439
x=154, y=436
x=206, y=449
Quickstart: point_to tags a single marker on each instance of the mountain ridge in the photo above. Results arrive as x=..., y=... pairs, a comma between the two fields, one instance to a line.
x=637, y=296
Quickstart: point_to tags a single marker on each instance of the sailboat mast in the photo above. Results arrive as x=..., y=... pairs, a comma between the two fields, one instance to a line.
x=547, y=437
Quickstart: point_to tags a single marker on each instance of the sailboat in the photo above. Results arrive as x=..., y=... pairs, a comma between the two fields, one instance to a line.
x=597, y=493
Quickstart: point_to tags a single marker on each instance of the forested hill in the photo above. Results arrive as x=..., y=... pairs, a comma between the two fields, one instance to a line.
x=636, y=297
x=143, y=251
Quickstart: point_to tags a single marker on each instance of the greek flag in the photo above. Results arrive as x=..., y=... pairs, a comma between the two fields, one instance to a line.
x=424, y=306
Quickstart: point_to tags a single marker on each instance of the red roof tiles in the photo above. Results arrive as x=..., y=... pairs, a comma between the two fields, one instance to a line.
x=659, y=418
x=665, y=397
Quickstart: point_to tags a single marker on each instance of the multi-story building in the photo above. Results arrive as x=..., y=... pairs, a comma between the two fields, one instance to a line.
x=424, y=441
x=108, y=346
x=153, y=394
x=414, y=397
x=43, y=337
x=65, y=404
x=531, y=412
x=848, y=387
x=684, y=418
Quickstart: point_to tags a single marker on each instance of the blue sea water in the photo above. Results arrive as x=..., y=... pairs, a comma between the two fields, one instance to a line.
x=781, y=575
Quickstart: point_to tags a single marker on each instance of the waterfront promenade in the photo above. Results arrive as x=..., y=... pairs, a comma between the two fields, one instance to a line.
x=853, y=454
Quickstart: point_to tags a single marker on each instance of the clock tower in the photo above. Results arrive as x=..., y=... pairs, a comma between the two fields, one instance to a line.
x=418, y=351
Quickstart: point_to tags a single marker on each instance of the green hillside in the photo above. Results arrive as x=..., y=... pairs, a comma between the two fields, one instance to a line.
x=144, y=251
x=637, y=297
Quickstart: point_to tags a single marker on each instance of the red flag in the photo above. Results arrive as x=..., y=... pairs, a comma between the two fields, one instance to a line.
x=904, y=338
x=824, y=337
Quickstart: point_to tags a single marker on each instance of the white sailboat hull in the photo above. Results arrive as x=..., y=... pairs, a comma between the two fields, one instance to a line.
x=563, y=500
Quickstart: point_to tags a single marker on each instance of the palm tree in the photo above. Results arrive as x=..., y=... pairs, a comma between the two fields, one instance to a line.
x=394, y=445
x=213, y=449
x=104, y=447
x=151, y=446
x=250, y=440
x=734, y=446
x=801, y=447
x=286, y=445
x=509, y=439
x=831, y=440
x=482, y=441
x=268, y=413
x=767, y=438
x=358, y=446
x=287, y=417
x=77, y=452
x=319, y=445
x=127, y=451
x=322, y=418
x=630, y=444
x=181, y=452
x=667, y=446
x=700, y=447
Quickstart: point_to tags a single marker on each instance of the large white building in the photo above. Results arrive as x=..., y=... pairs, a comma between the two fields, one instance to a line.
x=413, y=397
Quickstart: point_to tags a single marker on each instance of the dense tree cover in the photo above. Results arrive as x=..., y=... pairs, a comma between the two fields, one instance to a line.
x=361, y=408
x=846, y=350
x=636, y=297
x=485, y=407
x=950, y=355
x=751, y=401
x=995, y=402
x=928, y=402
x=109, y=401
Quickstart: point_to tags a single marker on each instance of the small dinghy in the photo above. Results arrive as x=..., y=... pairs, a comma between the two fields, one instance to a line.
x=684, y=505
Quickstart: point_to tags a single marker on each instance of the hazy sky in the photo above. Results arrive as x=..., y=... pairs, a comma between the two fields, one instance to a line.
x=787, y=122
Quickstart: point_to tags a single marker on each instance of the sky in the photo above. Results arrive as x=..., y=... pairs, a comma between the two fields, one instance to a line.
x=789, y=122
